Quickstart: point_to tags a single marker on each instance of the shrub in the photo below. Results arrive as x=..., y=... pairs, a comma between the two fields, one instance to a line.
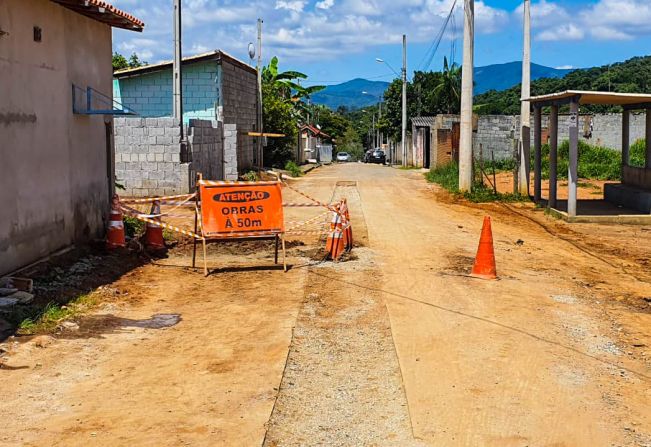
x=448, y=177
x=293, y=169
x=133, y=226
x=637, y=153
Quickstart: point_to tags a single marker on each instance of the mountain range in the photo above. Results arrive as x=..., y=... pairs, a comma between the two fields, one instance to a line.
x=358, y=93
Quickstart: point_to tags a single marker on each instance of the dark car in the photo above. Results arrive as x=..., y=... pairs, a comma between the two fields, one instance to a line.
x=376, y=156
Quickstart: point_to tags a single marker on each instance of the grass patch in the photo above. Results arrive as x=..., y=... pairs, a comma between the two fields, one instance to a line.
x=250, y=176
x=595, y=162
x=293, y=169
x=53, y=314
x=448, y=177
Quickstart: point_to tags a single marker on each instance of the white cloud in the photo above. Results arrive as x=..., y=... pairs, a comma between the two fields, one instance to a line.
x=291, y=5
x=561, y=32
x=564, y=67
x=325, y=4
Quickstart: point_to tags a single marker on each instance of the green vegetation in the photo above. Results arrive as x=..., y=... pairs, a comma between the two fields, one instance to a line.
x=53, y=314
x=120, y=62
x=448, y=177
x=595, y=162
x=133, y=226
x=250, y=176
x=637, y=153
x=631, y=76
x=293, y=168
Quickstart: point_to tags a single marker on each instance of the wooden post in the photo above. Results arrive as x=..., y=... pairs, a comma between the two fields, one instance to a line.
x=626, y=129
x=282, y=237
x=553, y=156
x=537, y=144
x=572, y=175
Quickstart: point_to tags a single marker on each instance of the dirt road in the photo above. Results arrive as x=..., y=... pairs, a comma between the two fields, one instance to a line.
x=397, y=346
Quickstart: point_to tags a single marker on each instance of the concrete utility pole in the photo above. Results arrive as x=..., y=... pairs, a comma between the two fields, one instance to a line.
x=525, y=110
x=260, y=140
x=178, y=93
x=379, y=117
x=465, y=140
x=404, y=100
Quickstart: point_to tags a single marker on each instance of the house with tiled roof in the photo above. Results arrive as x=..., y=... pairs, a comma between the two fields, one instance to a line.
x=312, y=142
x=56, y=124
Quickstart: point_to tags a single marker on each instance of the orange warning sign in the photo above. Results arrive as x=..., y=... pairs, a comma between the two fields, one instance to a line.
x=248, y=209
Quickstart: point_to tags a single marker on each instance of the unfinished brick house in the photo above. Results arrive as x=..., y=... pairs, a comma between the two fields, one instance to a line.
x=220, y=101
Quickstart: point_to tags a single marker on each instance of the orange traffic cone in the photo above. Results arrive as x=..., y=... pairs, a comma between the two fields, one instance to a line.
x=484, y=267
x=335, y=245
x=348, y=232
x=154, y=233
x=115, y=231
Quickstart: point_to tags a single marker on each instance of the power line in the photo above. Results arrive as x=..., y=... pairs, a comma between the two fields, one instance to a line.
x=431, y=52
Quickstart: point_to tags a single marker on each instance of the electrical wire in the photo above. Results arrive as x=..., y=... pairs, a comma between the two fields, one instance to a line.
x=431, y=52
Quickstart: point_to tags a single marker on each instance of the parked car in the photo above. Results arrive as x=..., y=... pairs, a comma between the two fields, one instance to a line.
x=343, y=156
x=376, y=156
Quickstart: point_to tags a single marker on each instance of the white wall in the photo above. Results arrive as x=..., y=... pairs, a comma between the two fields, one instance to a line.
x=53, y=164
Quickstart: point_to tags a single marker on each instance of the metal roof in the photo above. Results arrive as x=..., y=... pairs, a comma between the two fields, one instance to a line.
x=216, y=55
x=587, y=97
x=103, y=12
x=423, y=121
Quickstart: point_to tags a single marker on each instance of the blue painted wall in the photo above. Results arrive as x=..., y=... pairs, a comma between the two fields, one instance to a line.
x=150, y=95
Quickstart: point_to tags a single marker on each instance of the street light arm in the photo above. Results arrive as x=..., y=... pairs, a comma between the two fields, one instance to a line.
x=382, y=61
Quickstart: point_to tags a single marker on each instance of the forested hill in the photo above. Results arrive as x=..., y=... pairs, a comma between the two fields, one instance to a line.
x=632, y=76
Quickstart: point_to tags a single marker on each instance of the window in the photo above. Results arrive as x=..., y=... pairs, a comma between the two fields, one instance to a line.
x=38, y=34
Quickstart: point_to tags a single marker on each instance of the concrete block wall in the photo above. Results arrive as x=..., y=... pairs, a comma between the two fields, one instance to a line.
x=230, y=152
x=495, y=131
x=150, y=94
x=147, y=157
x=239, y=100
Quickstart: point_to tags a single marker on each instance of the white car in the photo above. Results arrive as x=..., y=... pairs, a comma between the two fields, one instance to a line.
x=343, y=156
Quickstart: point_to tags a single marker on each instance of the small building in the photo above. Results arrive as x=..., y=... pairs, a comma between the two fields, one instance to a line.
x=629, y=199
x=56, y=122
x=435, y=140
x=220, y=97
x=313, y=145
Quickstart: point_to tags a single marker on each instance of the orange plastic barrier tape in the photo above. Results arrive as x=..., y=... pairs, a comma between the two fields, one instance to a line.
x=243, y=208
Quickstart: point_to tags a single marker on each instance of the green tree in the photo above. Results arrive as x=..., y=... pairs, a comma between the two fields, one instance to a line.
x=119, y=62
x=283, y=100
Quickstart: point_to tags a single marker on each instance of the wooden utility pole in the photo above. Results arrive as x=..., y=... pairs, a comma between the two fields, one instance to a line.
x=465, y=140
x=525, y=110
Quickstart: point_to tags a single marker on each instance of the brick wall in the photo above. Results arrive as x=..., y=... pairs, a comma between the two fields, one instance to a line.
x=148, y=159
x=239, y=100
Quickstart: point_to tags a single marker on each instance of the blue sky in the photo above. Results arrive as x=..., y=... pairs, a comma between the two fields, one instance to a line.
x=336, y=40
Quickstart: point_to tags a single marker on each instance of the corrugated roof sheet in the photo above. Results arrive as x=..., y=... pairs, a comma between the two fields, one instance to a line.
x=211, y=55
x=423, y=121
x=103, y=12
x=587, y=97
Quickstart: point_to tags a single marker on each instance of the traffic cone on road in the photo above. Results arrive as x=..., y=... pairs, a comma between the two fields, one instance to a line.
x=484, y=267
x=115, y=231
x=335, y=245
x=348, y=231
x=154, y=233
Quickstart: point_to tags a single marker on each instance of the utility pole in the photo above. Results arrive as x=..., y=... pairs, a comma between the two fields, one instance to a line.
x=379, y=134
x=177, y=73
x=260, y=140
x=465, y=140
x=404, y=100
x=373, y=134
x=525, y=110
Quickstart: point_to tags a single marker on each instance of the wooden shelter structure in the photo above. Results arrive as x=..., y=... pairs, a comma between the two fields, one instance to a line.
x=635, y=188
